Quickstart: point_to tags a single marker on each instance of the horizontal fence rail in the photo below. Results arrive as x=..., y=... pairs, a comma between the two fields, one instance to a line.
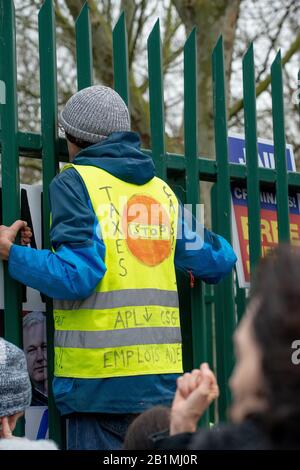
x=209, y=313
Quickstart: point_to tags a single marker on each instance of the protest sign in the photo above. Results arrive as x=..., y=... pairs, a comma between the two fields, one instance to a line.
x=269, y=230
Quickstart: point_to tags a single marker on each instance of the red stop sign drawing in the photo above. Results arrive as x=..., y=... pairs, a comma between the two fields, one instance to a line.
x=147, y=229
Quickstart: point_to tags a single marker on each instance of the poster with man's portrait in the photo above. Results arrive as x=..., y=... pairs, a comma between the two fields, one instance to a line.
x=35, y=348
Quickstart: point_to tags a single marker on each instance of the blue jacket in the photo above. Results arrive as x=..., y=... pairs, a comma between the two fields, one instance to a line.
x=77, y=265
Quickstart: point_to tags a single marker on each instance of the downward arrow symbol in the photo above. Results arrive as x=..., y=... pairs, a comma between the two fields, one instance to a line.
x=147, y=316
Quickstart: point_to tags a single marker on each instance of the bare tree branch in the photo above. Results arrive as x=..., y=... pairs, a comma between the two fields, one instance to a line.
x=273, y=37
x=134, y=38
x=263, y=85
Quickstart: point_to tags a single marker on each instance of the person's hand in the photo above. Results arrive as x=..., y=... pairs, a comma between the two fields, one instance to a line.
x=5, y=430
x=195, y=392
x=8, y=236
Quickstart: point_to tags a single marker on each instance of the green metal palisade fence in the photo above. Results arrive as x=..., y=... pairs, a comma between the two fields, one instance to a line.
x=209, y=314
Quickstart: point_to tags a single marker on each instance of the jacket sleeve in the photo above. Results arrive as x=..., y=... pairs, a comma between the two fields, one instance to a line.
x=203, y=253
x=77, y=265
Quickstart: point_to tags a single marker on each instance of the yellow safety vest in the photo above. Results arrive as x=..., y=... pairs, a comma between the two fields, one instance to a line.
x=130, y=324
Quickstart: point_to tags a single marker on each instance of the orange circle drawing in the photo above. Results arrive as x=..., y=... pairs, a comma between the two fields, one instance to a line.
x=148, y=229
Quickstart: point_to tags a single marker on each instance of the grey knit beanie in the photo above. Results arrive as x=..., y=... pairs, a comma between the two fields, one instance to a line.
x=93, y=113
x=15, y=387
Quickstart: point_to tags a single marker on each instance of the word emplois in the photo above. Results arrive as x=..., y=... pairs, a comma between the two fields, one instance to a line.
x=138, y=355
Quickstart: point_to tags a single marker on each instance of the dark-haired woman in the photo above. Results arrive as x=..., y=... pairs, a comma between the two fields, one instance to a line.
x=265, y=384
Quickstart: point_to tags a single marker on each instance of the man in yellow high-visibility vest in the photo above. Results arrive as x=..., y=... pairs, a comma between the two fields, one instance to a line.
x=118, y=233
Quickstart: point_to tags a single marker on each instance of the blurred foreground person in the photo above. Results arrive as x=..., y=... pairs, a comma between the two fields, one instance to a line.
x=152, y=421
x=195, y=391
x=265, y=384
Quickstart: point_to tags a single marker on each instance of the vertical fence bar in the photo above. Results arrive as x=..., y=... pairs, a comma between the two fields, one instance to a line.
x=298, y=95
x=219, y=322
x=209, y=307
x=156, y=99
x=48, y=80
x=84, y=53
x=210, y=334
x=280, y=151
x=10, y=167
x=199, y=333
x=178, y=184
x=253, y=193
x=10, y=160
x=225, y=315
x=120, y=58
x=192, y=184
